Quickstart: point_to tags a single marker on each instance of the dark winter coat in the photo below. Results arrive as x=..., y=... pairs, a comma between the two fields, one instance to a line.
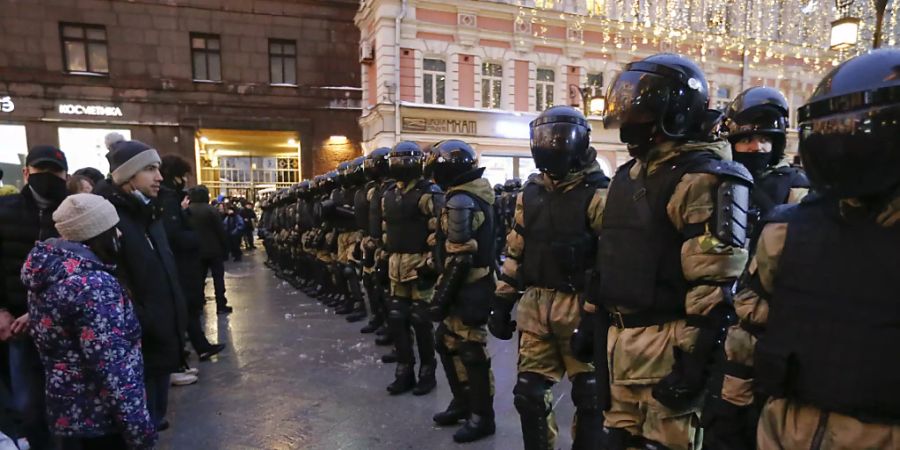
x=234, y=225
x=22, y=223
x=249, y=216
x=149, y=270
x=89, y=340
x=185, y=245
x=208, y=223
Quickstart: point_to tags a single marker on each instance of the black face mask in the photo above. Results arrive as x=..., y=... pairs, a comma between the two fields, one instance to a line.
x=756, y=162
x=640, y=138
x=48, y=186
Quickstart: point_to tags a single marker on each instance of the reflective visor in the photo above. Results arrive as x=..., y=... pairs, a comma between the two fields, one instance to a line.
x=635, y=97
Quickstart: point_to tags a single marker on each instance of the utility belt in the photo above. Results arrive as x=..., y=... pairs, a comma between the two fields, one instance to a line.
x=645, y=319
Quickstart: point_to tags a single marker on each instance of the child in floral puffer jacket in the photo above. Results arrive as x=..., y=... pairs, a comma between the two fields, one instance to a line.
x=86, y=331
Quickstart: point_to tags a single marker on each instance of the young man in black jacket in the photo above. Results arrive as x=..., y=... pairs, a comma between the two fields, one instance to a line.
x=185, y=244
x=148, y=267
x=213, y=242
x=25, y=218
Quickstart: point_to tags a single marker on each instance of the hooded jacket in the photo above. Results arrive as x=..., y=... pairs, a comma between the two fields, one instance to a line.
x=148, y=268
x=89, y=340
x=208, y=224
x=22, y=222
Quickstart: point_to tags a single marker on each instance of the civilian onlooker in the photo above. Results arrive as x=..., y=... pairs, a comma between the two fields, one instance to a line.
x=147, y=267
x=91, y=174
x=25, y=218
x=86, y=332
x=213, y=243
x=234, y=228
x=185, y=244
x=79, y=184
x=249, y=215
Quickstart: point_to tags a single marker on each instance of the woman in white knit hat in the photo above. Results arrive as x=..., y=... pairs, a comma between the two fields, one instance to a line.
x=86, y=331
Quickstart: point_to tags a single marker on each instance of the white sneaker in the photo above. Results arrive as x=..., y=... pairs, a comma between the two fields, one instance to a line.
x=182, y=379
x=192, y=371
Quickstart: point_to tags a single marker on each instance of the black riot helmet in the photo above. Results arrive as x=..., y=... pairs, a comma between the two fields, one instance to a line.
x=664, y=96
x=850, y=127
x=405, y=161
x=560, y=142
x=330, y=181
x=304, y=189
x=757, y=111
x=341, y=170
x=376, y=164
x=453, y=162
x=353, y=172
x=512, y=185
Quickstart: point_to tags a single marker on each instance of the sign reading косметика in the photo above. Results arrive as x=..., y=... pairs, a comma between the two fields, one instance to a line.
x=77, y=109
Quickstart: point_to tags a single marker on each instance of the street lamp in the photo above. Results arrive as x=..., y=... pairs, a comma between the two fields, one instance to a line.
x=845, y=30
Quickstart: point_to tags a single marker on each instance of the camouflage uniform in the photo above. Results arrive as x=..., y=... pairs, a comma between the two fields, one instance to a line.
x=412, y=276
x=546, y=318
x=640, y=357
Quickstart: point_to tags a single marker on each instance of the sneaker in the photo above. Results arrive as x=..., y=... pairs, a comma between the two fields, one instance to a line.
x=191, y=371
x=182, y=379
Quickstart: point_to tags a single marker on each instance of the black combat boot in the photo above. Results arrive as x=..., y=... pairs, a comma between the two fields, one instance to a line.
x=389, y=357
x=404, y=380
x=427, y=381
x=481, y=399
x=358, y=313
x=373, y=325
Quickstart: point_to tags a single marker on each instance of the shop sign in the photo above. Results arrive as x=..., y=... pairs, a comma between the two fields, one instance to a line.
x=7, y=105
x=441, y=126
x=90, y=110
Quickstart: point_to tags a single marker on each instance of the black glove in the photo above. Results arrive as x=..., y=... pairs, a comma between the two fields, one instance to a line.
x=500, y=322
x=582, y=341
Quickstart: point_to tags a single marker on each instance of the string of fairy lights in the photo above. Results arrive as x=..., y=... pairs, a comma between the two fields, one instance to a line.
x=767, y=32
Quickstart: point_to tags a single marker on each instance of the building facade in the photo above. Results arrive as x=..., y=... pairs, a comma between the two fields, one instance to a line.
x=257, y=94
x=481, y=70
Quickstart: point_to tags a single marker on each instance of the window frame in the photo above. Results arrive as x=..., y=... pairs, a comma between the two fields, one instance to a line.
x=596, y=89
x=434, y=74
x=542, y=86
x=283, y=56
x=494, y=82
x=84, y=41
x=206, y=52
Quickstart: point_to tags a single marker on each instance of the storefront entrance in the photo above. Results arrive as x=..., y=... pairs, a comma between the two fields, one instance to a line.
x=240, y=163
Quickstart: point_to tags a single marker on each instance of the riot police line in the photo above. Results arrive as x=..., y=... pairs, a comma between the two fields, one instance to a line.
x=710, y=294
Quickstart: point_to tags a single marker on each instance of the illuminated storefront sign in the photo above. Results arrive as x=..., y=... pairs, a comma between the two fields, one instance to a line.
x=76, y=109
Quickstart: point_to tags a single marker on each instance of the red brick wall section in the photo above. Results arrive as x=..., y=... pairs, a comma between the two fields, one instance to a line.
x=521, y=83
x=372, y=81
x=573, y=77
x=467, y=81
x=407, y=74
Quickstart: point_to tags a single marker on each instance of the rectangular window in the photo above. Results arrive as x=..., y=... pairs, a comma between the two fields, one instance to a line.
x=206, y=57
x=595, y=82
x=434, y=79
x=84, y=48
x=722, y=98
x=544, y=89
x=491, y=85
x=282, y=62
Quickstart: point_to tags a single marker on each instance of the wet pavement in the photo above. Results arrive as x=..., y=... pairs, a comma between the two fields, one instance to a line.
x=297, y=376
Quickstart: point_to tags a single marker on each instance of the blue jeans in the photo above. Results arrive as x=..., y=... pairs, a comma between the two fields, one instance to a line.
x=28, y=395
x=157, y=385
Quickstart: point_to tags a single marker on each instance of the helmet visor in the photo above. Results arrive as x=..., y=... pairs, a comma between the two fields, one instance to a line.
x=635, y=97
x=556, y=147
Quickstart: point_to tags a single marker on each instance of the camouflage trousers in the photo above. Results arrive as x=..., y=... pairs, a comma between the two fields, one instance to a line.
x=635, y=410
x=453, y=332
x=546, y=320
x=346, y=241
x=786, y=425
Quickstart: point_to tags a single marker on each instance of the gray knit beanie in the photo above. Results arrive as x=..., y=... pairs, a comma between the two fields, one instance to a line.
x=127, y=158
x=81, y=217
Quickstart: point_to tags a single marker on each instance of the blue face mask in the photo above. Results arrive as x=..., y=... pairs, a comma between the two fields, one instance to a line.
x=140, y=196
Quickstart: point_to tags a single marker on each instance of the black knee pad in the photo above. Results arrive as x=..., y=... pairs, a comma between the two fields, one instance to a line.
x=528, y=395
x=348, y=271
x=616, y=439
x=419, y=314
x=586, y=392
x=472, y=353
x=398, y=309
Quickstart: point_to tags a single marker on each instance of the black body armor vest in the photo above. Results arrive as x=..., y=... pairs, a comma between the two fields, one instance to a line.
x=834, y=316
x=560, y=246
x=407, y=226
x=485, y=235
x=769, y=191
x=361, y=209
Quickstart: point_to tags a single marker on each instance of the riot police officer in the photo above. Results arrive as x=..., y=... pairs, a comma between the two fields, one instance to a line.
x=375, y=168
x=755, y=124
x=672, y=243
x=347, y=276
x=408, y=211
x=825, y=271
x=461, y=301
x=551, y=249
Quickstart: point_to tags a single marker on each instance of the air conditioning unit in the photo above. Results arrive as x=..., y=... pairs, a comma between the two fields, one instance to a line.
x=366, y=52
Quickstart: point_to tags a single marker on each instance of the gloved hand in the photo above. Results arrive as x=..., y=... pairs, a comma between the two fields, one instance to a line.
x=681, y=389
x=582, y=340
x=500, y=322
